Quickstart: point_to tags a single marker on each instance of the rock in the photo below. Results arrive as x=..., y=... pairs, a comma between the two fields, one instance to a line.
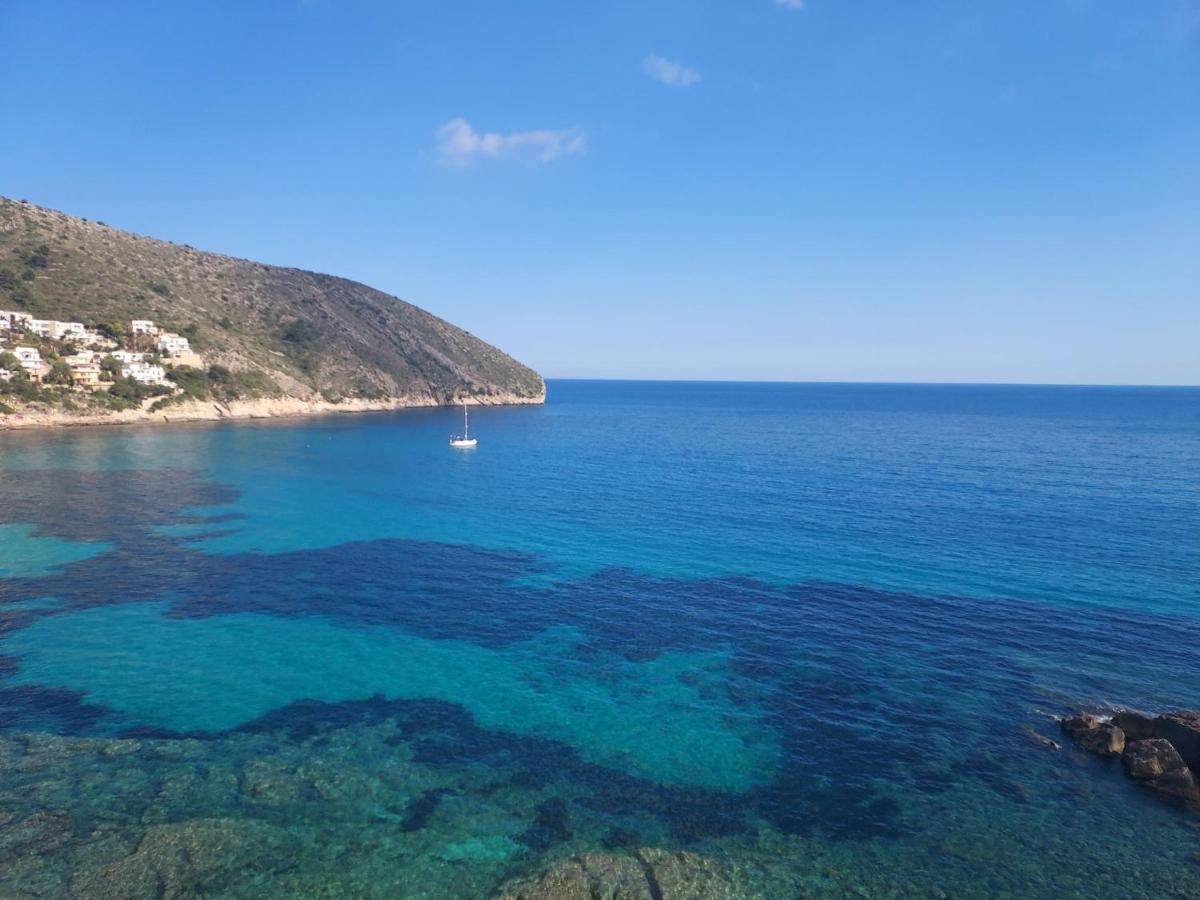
x=1151, y=758
x=186, y=859
x=680, y=874
x=270, y=782
x=1137, y=726
x=1077, y=725
x=1180, y=783
x=589, y=876
x=36, y=835
x=1182, y=729
x=1105, y=739
x=1041, y=740
x=121, y=747
x=649, y=874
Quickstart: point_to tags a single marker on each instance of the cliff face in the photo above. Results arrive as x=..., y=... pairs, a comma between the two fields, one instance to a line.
x=314, y=337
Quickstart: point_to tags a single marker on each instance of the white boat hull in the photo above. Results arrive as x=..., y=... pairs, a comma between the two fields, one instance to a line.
x=464, y=444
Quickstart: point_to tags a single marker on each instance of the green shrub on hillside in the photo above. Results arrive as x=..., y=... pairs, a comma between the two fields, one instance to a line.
x=193, y=382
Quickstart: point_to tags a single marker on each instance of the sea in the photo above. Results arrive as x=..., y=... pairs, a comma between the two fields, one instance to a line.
x=812, y=637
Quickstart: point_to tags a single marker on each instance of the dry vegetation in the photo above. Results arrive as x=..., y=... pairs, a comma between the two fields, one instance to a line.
x=299, y=333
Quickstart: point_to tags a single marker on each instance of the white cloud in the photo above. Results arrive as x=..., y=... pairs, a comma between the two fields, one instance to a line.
x=790, y=4
x=669, y=72
x=459, y=144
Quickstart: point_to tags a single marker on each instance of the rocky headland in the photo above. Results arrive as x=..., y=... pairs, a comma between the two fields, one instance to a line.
x=262, y=340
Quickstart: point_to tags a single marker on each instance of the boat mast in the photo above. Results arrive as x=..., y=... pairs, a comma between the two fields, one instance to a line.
x=466, y=428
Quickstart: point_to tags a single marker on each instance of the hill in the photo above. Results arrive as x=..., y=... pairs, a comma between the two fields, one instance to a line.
x=279, y=332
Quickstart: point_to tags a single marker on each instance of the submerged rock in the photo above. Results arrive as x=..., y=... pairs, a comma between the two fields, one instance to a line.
x=1041, y=740
x=185, y=859
x=35, y=835
x=649, y=874
x=1151, y=758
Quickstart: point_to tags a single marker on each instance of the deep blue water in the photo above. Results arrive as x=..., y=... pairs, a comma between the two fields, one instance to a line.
x=806, y=625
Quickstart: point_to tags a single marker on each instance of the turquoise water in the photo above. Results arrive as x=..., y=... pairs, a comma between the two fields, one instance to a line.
x=804, y=628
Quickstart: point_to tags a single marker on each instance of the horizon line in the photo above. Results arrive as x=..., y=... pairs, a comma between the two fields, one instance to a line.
x=831, y=382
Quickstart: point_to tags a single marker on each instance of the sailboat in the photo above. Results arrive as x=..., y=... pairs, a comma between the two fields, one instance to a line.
x=465, y=440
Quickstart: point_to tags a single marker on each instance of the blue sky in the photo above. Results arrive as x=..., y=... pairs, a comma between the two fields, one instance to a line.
x=749, y=189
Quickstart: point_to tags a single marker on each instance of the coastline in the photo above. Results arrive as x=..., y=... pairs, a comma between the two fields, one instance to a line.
x=263, y=408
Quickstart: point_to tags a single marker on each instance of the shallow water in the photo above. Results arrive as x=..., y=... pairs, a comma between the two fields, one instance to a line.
x=802, y=629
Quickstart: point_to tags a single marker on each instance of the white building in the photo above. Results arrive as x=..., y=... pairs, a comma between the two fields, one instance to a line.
x=145, y=373
x=73, y=331
x=11, y=319
x=41, y=327
x=31, y=362
x=173, y=344
x=126, y=357
x=142, y=326
x=30, y=357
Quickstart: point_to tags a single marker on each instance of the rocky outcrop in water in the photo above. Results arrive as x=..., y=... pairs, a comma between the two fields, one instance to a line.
x=1162, y=752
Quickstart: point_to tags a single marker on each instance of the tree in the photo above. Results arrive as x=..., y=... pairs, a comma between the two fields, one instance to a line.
x=110, y=367
x=8, y=360
x=193, y=382
x=113, y=330
x=60, y=373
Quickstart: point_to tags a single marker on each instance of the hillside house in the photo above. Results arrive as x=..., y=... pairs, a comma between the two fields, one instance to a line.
x=86, y=375
x=15, y=319
x=173, y=344
x=29, y=356
x=145, y=373
x=142, y=326
x=31, y=361
x=69, y=331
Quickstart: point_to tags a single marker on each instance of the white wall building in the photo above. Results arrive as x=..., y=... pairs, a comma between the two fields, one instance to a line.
x=69, y=331
x=145, y=373
x=15, y=319
x=142, y=326
x=126, y=357
x=30, y=357
x=173, y=344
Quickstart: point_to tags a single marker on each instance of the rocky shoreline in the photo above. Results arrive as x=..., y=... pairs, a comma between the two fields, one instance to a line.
x=1161, y=752
x=266, y=408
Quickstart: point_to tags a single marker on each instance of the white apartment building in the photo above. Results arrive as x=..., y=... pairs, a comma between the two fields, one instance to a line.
x=145, y=373
x=142, y=326
x=127, y=357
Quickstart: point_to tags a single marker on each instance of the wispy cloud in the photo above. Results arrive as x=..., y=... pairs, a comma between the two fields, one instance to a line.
x=460, y=145
x=790, y=4
x=669, y=72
